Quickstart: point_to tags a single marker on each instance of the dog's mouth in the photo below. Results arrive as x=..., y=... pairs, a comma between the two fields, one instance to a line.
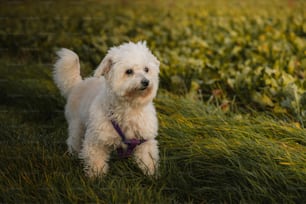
x=146, y=91
x=142, y=91
x=143, y=88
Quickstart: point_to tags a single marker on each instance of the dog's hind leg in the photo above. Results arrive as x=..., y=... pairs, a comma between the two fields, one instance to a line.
x=76, y=135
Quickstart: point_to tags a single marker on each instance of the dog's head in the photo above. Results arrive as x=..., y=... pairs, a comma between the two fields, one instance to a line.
x=131, y=71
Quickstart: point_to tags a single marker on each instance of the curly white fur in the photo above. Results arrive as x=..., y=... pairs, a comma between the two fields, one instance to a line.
x=122, y=88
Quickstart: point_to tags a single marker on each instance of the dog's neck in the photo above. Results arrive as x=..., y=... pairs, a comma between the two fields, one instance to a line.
x=120, y=110
x=118, y=107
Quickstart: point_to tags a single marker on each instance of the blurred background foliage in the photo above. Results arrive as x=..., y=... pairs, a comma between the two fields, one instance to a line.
x=246, y=55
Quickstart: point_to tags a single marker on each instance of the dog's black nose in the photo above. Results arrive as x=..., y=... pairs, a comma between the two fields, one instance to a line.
x=145, y=82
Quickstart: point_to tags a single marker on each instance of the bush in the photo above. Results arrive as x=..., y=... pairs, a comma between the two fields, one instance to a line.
x=251, y=54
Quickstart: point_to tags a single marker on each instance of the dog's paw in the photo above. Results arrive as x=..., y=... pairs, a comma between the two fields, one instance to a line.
x=95, y=172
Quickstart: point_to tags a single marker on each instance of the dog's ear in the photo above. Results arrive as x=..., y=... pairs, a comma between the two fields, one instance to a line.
x=104, y=67
x=157, y=63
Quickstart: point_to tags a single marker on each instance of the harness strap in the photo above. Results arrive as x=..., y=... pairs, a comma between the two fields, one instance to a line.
x=131, y=144
x=118, y=130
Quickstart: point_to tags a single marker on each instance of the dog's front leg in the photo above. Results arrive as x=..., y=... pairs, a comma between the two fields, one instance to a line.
x=95, y=157
x=147, y=157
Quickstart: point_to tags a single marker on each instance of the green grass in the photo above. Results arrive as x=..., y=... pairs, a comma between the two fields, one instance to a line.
x=217, y=144
x=206, y=156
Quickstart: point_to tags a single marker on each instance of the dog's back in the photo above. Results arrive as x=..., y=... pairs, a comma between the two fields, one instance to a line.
x=81, y=98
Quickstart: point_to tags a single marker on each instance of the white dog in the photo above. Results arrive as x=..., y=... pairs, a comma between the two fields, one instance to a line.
x=113, y=109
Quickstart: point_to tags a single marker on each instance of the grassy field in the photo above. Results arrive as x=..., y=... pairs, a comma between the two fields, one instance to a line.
x=231, y=104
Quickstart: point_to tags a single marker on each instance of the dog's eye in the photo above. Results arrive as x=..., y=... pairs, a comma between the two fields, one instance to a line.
x=146, y=69
x=129, y=71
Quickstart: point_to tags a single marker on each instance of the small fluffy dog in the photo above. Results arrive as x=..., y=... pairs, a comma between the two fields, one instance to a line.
x=113, y=109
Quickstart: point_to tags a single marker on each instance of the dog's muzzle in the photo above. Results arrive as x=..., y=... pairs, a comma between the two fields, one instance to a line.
x=144, y=84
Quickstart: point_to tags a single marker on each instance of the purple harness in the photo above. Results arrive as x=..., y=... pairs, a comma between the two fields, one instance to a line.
x=131, y=144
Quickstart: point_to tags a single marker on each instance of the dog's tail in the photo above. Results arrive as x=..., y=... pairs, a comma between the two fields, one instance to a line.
x=66, y=72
